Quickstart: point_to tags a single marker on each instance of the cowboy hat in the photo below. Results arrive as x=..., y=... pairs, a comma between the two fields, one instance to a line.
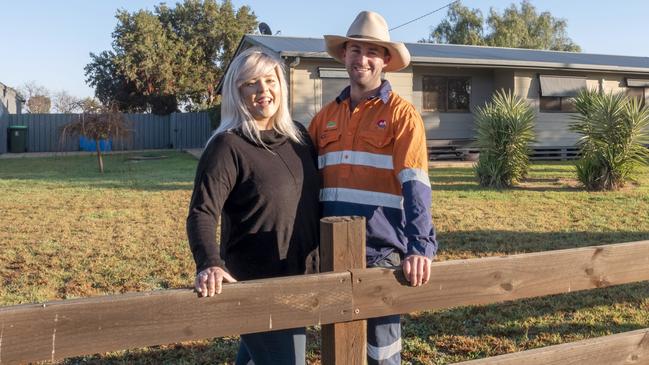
x=370, y=27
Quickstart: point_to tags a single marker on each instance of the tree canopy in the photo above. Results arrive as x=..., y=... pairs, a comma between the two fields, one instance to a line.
x=170, y=56
x=516, y=27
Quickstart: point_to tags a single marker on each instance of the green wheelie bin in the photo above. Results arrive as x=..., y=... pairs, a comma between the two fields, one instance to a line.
x=17, y=138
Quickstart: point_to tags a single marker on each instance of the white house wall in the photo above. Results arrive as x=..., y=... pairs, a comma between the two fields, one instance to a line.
x=9, y=101
x=401, y=83
x=304, y=92
x=309, y=93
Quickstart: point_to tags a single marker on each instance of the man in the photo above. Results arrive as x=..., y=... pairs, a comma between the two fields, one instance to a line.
x=372, y=155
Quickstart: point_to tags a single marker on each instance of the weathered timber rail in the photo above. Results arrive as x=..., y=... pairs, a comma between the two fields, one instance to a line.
x=340, y=301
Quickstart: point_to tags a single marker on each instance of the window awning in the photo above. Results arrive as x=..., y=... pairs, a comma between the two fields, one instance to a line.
x=637, y=82
x=561, y=85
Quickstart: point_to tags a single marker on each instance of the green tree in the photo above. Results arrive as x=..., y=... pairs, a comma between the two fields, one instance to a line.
x=461, y=26
x=170, y=56
x=524, y=28
x=111, y=86
x=516, y=27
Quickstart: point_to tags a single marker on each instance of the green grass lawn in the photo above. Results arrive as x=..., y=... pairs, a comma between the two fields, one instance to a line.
x=68, y=232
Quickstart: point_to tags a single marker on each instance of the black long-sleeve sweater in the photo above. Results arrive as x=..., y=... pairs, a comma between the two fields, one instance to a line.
x=267, y=202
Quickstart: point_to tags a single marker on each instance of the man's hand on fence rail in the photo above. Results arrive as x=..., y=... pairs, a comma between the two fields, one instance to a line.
x=209, y=281
x=416, y=269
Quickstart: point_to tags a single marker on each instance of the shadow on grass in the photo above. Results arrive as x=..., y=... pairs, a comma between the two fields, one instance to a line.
x=465, y=244
x=464, y=181
x=581, y=314
x=174, y=172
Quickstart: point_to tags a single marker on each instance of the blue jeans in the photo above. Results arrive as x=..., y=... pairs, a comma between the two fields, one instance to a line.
x=283, y=347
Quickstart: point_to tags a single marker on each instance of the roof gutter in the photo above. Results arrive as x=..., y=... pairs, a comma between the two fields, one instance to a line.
x=465, y=62
x=474, y=63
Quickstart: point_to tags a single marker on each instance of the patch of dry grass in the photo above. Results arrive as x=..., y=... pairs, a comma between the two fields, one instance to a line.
x=68, y=232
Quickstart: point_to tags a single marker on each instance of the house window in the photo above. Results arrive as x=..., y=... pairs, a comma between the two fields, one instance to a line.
x=558, y=104
x=558, y=93
x=446, y=94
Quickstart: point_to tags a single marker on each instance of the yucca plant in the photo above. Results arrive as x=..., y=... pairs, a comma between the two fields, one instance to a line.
x=614, y=134
x=505, y=130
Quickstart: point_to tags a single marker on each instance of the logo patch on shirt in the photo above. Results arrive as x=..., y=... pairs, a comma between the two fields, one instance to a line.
x=331, y=124
x=382, y=124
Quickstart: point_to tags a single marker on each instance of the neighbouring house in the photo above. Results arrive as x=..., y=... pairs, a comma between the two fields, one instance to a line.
x=446, y=82
x=10, y=101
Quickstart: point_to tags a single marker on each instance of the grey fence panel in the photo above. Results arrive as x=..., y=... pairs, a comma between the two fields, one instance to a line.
x=178, y=130
x=4, y=123
x=44, y=131
x=193, y=129
x=67, y=143
x=149, y=131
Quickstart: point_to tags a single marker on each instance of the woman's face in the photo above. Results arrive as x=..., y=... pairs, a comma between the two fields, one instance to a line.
x=262, y=97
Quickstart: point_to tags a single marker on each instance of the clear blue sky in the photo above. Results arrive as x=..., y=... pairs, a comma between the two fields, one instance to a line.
x=49, y=41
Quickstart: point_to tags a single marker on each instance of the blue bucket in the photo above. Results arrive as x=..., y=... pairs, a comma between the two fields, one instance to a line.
x=87, y=144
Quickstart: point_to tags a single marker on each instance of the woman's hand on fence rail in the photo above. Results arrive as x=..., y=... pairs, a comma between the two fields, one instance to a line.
x=416, y=269
x=209, y=281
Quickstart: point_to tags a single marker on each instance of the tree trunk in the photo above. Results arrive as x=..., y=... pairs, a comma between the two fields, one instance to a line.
x=100, y=161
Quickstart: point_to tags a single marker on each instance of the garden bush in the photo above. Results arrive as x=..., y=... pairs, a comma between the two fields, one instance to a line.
x=614, y=135
x=505, y=130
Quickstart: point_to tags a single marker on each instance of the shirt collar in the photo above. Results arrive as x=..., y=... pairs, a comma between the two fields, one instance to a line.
x=383, y=93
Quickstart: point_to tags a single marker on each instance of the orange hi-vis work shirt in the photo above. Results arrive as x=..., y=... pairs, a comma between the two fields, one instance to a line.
x=374, y=163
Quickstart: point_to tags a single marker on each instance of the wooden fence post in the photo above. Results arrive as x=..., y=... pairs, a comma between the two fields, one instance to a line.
x=342, y=247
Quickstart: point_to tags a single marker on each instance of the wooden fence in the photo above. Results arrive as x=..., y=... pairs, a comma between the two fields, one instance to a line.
x=177, y=130
x=340, y=301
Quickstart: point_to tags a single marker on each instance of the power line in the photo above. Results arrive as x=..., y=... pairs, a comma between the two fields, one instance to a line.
x=425, y=15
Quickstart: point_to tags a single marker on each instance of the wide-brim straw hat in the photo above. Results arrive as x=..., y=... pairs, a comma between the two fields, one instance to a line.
x=370, y=27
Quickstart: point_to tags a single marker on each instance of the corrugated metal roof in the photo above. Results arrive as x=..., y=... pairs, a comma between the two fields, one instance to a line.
x=291, y=46
x=426, y=53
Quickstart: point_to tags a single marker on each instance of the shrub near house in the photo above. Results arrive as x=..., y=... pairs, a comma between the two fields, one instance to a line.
x=504, y=134
x=613, y=129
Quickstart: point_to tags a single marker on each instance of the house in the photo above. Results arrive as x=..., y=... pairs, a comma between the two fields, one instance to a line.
x=446, y=82
x=10, y=101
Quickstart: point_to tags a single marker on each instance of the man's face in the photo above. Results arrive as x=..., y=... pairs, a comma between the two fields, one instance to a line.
x=364, y=63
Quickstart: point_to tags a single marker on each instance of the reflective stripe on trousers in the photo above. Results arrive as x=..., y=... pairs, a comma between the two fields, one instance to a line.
x=384, y=333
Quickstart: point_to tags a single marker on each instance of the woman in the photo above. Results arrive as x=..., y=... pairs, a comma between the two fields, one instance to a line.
x=258, y=175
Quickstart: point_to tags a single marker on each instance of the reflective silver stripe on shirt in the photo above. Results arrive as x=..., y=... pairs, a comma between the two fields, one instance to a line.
x=355, y=158
x=361, y=197
x=414, y=174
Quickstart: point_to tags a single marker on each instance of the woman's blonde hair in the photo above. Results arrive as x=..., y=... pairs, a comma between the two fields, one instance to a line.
x=250, y=64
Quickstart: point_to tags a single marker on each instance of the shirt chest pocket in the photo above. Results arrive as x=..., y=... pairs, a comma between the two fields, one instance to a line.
x=377, y=140
x=328, y=138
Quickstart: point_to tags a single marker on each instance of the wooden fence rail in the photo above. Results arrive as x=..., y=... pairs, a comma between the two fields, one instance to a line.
x=55, y=330
x=622, y=348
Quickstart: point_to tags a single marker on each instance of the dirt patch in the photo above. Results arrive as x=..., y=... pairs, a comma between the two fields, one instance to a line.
x=550, y=184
